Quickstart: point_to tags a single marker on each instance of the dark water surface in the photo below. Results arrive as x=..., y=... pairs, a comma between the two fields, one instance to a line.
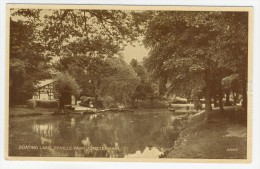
x=144, y=133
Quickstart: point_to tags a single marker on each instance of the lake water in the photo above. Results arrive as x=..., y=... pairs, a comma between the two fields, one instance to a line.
x=140, y=134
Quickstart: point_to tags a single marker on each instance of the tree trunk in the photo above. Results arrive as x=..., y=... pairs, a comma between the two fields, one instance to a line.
x=228, y=98
x=215, y=100
x=244, y=91
x=96, y=93
x=151, y=101
x=235, y=98
x=65, y=99
x=220, y=92
x=162, y=85
x=208, y=107
x=220, y=98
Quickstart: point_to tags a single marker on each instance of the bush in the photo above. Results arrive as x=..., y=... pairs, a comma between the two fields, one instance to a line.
x=47, y=103
x=99, y=104
x=85, y=101
x=31, y=104
x=108, y=102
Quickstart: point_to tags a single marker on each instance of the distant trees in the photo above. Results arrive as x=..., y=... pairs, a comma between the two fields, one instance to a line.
x=121, y=84
x=145, y=90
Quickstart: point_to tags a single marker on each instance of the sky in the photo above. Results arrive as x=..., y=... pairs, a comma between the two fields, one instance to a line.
x=137, y=52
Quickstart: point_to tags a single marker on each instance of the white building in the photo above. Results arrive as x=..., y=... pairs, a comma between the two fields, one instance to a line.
x=45, y=90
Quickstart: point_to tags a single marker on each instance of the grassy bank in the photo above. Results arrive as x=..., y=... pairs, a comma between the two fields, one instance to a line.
x=23, y=111
x=224, y=136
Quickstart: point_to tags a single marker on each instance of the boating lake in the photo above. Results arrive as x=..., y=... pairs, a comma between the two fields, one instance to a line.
x=145, y=133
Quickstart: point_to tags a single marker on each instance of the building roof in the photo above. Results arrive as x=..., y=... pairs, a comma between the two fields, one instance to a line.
x=45, y=82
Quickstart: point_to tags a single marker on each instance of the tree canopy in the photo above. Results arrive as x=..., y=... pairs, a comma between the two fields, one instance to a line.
x=28, y=62
x=67, y=40
x=189, y=49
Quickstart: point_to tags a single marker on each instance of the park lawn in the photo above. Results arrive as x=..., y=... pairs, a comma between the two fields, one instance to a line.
x=23, y=111
x=224, y=136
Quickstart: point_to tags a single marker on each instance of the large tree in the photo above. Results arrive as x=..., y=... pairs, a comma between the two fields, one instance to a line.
x=28, y=61
x=90, y=32
x=78, y=41
x=191, y=49
x=84, y=41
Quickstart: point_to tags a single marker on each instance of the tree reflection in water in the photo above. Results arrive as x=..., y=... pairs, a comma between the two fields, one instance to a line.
x=141, y=134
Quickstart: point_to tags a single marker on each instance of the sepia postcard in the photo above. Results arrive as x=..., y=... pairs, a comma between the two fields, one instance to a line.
x=129, y=83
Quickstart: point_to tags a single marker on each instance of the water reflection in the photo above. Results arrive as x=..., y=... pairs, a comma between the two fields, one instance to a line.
x=148, y=152
x=45, y=131
x=130, y=135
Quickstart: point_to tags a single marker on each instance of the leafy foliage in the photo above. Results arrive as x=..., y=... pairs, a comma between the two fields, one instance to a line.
x=146, y=89
x=188, y=51
x=66, y=84
x=232, y=83
x=87, y=31
x=196, y=49
x=121, y=84
x=77, y=41
x=28, y=63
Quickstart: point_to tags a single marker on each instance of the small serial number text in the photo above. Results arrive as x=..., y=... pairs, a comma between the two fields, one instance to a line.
x=232, y=149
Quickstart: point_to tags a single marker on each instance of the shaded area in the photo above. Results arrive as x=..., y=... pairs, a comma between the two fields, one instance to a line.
x=224, y=136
